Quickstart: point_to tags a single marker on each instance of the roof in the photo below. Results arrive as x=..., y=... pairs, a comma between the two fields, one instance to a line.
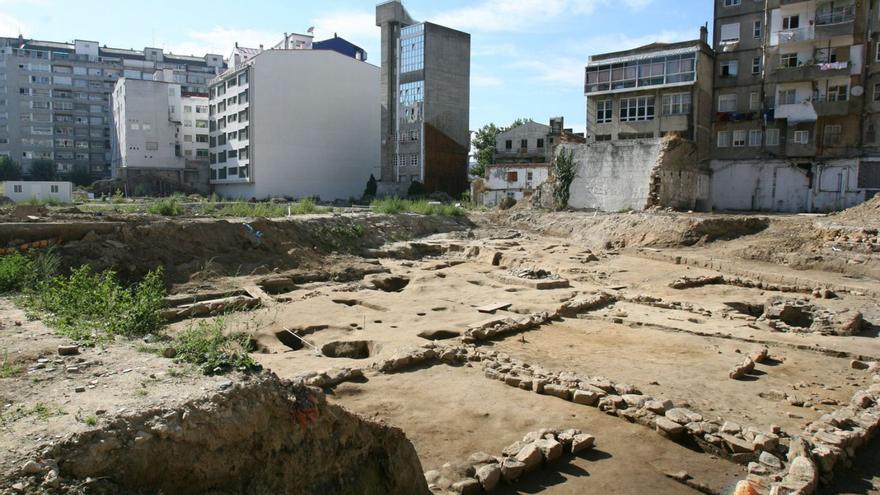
x=518, y=165
x=644, y=55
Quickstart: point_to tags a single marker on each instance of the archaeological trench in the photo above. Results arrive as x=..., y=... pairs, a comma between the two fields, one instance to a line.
x=502, y=352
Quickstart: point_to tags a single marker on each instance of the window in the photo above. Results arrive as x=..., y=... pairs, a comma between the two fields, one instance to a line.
x=739, y=138
x=877, y=92
x=540, y=144
x=731, y=3
x=530, y=176
x=837, y=93
x=802, y=137
x=729, y=68
x=242, y=78
x=512, y=176
x=788, y=60
x=187, y=138
x=754, y=101
x=604, y=111
x=53, y=189
x=791, y=22
x=756, y=29
x=825, y=56
x=772, y=137
x=832, y=135
x=755, y=137
x=508, y=145
x=723, y=139
x=187, y=109
x=730, y=33
x=152, y=146
x=17, y=188
x=727, y=103
x=412, y=48
x=677, y=104
x=787, y=97
x=637, y=109
x=524, y=144
x=756, y=65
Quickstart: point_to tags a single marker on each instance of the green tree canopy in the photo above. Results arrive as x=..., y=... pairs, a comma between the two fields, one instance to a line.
x=9, y=170
x=43, y=169
x=80, y=176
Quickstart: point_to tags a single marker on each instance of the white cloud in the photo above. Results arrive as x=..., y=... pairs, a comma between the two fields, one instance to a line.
x=485, y=81
x=221, y=40
x=521, y=15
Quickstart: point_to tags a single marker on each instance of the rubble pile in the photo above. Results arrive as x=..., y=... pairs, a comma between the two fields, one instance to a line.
x=484, y=473
x=801, y=316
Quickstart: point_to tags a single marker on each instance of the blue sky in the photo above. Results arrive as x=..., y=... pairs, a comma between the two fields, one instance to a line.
x=527, y=55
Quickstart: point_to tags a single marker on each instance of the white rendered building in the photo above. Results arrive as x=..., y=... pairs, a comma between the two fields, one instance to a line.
x=19, y=191
x=296, y=123
x=158, y=129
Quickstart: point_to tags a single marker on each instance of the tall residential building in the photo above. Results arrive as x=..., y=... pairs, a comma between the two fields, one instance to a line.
x=294, y=122
x=794, y=114
x=425, y=103
x=55, y=97
x=651, y=91
x=160, y=138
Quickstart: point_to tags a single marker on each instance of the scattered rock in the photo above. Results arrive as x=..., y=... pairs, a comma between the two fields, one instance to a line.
x=489, y=476
x=512, y=469
x=859, y=365
x=467, y=486
x=530, y=456
x=68, y=350
x=582, y=442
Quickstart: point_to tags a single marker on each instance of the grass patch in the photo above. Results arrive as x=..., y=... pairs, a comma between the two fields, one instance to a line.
x=215, y=352
x=33, y=201
x=167, y=207
x=93, y=307
x=19, y=271
x=8, y=369
x=40, y=410
x=243, y=209
x=394, y=206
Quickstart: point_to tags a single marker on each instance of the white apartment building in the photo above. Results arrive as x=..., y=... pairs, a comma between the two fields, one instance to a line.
x=513, y=180
x=159, y=132
x=294, y=122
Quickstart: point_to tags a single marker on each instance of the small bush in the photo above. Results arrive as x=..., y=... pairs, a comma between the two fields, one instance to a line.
x=214, y=352
x=168, y=207
x=20, y=272
x=241, y=209
x=33, y=201
x=93, y=307
x=118, y=197
x=8, y=369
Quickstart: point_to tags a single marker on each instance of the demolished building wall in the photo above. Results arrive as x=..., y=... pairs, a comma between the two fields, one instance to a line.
x=638, y=174
x=785, y=186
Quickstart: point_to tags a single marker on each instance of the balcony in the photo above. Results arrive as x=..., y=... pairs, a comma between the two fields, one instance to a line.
x=810, y=71
x=800, y=35
x=831, y=108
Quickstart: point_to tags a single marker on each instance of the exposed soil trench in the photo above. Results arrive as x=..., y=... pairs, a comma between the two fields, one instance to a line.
x=341, y=309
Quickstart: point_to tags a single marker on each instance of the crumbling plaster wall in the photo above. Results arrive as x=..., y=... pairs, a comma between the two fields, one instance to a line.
x=637, y=174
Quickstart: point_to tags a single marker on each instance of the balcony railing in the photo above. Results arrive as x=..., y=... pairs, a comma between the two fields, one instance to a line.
x=797, y=35
x=836, y=15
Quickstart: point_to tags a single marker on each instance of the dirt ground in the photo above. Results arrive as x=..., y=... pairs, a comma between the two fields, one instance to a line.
x=676, y=344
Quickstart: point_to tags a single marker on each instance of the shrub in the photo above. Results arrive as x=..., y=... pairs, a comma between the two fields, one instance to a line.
x=43, y=169
x=20, y=272
x=207, y=346
x=94, y=307
x=416, y=189
x=168, y=207
x=118, y=197
x=9, y=170
x=372, y=187
x=565, y=172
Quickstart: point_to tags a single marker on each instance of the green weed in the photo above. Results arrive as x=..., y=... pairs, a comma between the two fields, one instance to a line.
x=8, y=369
x=19, y=271
x=394, y=205
x=168, y=207
x=215, y=352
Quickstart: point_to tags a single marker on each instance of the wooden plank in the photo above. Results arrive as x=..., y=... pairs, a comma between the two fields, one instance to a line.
x=492, y=308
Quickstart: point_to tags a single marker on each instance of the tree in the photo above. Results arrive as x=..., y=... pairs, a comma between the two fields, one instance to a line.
x=564, y=171
x=9, y=170
x=484, y=143
x=43, y=169
x=80, y=176
x=484, y=148
x=372, y=187
x=416, y=189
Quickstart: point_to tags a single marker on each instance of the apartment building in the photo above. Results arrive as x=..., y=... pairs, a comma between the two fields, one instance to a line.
x=425, y=86
x=55, y=97
x=294, y=122
x=160, y=139
x=526, y=143
x=651, y=91
x=793, y=120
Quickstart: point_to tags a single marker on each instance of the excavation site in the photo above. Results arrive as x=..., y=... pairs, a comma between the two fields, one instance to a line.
x=506, y=352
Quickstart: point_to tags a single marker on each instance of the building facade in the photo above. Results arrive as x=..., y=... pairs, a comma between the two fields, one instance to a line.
x=294, y=123
x=794, y=119
x=513, y=180
x=425, y=95
x=526, y=143
x=651, y=91
x=55, y=97
x=160, y=139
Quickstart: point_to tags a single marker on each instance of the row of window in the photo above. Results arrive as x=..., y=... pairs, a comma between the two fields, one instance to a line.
x=642, y=108
x=242, y=172
x=641, y=73
x=221, y=88
x=729, y=102
x=524, y=144
x=221, y=157
x=63, y=93
x=752, y=138
x=404, y=160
